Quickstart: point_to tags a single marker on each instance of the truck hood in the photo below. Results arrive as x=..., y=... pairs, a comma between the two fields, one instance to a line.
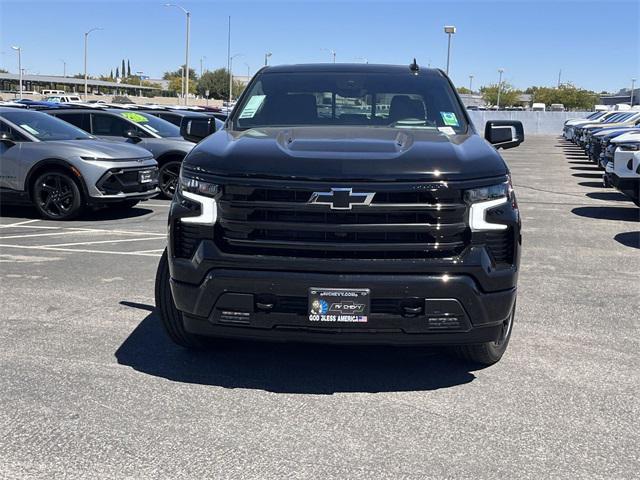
x=347, y=154
x=94, y=148
x=633, y=136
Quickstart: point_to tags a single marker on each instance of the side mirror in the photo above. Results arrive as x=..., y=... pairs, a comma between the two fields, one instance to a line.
x=8, y=139
x=504, y=133
x=132, y=134
x=195, y=129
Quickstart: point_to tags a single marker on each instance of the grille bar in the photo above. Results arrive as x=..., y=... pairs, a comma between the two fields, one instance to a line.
x=247, y=226
x=306, y=207
x=338, y=246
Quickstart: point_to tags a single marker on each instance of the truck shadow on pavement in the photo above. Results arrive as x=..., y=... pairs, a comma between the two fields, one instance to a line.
x=609, y=196
x=288, y=367
x=626, y=214
x=105, y=213
x=628, y=239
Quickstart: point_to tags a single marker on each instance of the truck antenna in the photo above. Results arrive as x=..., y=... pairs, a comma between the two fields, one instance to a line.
x=414, y=67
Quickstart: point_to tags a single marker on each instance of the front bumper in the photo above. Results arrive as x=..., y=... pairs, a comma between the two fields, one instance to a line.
x=629, y=186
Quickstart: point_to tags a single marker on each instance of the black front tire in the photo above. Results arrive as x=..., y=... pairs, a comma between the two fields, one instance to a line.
x=168, y=178
x=170, y=316
x=57, y=196
x=491, y=352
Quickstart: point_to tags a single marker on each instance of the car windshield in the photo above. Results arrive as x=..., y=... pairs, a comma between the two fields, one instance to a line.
x=152, y=123
x=53, y=99
x=45, y=127
x=397, y=100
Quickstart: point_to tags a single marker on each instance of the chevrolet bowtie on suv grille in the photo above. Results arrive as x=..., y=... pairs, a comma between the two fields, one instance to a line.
x=349, y=204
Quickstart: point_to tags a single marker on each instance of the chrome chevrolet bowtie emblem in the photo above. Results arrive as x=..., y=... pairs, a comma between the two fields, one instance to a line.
x=341, y=198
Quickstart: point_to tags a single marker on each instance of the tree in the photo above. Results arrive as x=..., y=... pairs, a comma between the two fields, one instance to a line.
x=178, y=73
x=2, y=70
x=175, y=85
x=111, y=74
x=117, y=73
x=123, y=70
x=217, y=82
x=567, y=94
x=508, y=95
x=128, y=68
x=464, y=90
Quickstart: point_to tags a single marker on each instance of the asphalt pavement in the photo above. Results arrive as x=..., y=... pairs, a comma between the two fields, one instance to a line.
x=91, y=388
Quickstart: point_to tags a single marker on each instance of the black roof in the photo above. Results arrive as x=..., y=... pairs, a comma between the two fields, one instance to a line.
x=348, y=67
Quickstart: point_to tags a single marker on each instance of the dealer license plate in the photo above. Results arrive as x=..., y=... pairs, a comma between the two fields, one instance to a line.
x=145, y=176
x=339, y=305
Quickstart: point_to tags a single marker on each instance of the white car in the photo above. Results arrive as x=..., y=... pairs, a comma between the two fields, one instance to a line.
x=624, y=173
x=63, y=99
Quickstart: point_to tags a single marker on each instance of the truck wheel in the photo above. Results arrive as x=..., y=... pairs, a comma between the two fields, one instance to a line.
x=57, y=196
x=170, y=316
x=490, y=352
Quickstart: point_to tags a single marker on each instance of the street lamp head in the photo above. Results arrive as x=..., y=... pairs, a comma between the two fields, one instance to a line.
x=268, y=54
x=15, y=48
x=450, y=29
x=501, y=70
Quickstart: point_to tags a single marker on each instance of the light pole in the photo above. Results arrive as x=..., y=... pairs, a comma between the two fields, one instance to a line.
x=248, y=71
x=471, y=83
x=633, y=83
x=332, y=52
x=266, y=58
x=86, y=40
x=449, y=30
x=185, y=80
x=64, y=67
x=19, y=50
x=140, y=79
x=500, y=71
x=231, y=75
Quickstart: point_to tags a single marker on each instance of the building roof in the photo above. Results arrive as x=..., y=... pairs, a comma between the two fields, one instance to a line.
x=70, y=81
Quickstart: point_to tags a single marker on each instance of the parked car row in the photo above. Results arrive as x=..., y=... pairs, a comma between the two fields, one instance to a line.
x=63, y=159
x=611, y=140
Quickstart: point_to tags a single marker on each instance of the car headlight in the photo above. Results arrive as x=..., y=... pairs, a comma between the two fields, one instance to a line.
x=482, y=199
x=199, y=191
x=629, y=147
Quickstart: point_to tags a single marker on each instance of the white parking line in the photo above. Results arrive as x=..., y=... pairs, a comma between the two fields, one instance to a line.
x=150, y=251
x=19, y=223
x=154, y=205
x=30, y=247
x=85, y=229
x=30, y=235
x=100, y=241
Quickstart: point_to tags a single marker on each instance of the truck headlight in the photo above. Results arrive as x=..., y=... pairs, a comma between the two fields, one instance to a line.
x=482, y=199
x=201, y=192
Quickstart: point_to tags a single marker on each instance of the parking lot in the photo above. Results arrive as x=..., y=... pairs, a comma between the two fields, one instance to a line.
x=91, y=388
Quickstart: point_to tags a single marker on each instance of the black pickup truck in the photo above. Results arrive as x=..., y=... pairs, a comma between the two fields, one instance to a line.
x=350, y=204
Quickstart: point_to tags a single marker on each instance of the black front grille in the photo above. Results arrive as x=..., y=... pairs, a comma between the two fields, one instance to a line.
x=403, y=221
x=126, y=180
x=501, y=246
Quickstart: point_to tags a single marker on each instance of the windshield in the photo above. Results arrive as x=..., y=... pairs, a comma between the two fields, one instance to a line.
x=398, y=100
x=152, y=124
x=45, y=127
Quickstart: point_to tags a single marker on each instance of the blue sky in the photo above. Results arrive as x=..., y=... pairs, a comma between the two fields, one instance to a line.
x=532, y=41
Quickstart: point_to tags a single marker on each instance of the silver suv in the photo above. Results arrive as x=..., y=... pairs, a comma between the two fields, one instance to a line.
x=62, y=169
x=158, y=136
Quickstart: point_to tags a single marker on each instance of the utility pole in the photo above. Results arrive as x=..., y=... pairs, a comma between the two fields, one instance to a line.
x=231, y=76
x=229, y=56
x=471, y=83
x=633, y=83
x=266, y=58
x=64, y=67
x=248, y=71
x=201, y=60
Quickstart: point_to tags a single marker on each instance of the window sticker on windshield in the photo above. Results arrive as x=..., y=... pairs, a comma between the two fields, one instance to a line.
x=449, y=118
x=134, y=117
x=29, y=129
x=252, y=106
x=447, y=130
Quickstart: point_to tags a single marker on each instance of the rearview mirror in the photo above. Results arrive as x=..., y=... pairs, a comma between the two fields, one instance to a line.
x=132, y=134
x=196, y=128
x=504, y=133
